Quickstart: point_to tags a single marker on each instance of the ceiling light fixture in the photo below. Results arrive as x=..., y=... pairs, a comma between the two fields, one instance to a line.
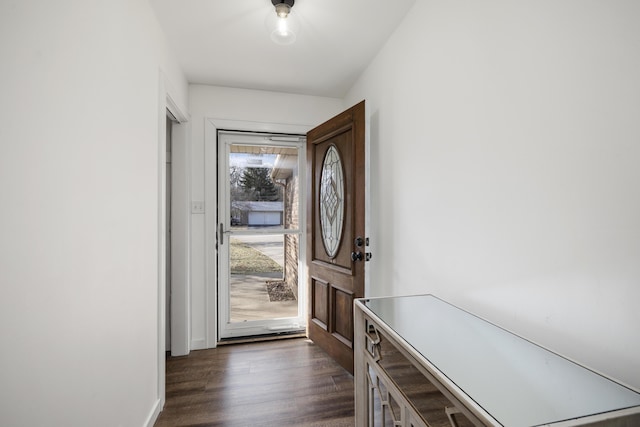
x=282, y=31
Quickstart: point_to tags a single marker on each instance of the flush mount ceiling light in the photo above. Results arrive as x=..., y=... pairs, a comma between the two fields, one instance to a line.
x=282, y=26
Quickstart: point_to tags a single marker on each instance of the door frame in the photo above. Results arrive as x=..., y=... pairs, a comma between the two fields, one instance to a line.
x=166, y=102
x=268, y=325
x=212, y=125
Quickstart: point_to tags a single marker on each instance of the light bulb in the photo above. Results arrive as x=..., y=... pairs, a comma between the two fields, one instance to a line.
x=283, y=29
x=282, y=10
x=283, y=34
x=282, y=25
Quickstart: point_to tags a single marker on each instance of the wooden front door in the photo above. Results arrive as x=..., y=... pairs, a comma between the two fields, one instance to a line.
x=335, y=230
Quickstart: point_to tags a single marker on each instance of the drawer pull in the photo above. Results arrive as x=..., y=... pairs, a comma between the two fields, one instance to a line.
x=373, y=342
x=451, y=411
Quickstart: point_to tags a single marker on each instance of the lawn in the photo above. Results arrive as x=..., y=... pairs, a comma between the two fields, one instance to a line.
x=246, y=260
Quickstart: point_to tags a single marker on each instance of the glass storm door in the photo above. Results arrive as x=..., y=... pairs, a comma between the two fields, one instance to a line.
x=260, y=247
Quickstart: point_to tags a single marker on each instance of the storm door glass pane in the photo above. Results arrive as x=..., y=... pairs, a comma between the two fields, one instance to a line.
x=259, y=288
x=263, y=187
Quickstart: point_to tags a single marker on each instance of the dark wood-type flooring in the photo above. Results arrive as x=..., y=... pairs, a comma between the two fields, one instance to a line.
x=289, y=382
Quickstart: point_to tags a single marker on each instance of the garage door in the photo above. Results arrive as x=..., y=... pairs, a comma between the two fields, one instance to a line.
x=264, y=218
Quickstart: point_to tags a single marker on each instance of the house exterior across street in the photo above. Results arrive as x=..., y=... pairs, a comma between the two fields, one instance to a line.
x=256, y=213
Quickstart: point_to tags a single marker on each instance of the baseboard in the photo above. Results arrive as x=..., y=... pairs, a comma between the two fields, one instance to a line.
x=153, y=416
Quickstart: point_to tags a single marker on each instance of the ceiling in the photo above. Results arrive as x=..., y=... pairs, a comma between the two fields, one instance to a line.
x=226, y=42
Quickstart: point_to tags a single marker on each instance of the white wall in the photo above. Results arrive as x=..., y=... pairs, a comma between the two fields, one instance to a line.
x=228, y=104
x=504, y=149
x=79, y=178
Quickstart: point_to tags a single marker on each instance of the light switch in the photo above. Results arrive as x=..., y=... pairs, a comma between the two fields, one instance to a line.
x=197, y=207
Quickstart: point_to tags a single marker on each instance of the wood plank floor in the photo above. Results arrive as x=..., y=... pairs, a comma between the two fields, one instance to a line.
x=289, y=382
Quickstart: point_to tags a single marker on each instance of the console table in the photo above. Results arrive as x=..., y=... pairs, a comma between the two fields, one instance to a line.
x=422, y=362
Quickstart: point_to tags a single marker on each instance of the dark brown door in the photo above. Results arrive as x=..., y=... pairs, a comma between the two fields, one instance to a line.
x=335, y=230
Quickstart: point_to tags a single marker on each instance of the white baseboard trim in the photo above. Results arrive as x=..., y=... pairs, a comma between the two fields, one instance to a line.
x=153, y=416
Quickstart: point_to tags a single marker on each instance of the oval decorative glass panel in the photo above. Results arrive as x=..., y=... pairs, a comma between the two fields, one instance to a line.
x=331, y=201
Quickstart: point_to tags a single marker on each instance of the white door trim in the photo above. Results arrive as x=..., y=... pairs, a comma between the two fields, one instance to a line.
x=212, y=125
x=166, y=102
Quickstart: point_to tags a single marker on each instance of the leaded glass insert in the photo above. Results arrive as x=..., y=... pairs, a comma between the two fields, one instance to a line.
x=331, y=201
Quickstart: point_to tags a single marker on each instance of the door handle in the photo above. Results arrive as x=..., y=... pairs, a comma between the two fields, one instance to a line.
x=221, y=233
x=356, y=256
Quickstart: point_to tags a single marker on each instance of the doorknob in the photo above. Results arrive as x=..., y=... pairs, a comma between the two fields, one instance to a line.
x=358, y=242
x=356, y=256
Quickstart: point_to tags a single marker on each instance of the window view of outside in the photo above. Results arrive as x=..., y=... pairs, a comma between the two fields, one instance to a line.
x=263, y=187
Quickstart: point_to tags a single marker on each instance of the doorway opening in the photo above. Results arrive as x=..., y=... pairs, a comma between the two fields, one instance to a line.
x=261, y=283
x=169, y=127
